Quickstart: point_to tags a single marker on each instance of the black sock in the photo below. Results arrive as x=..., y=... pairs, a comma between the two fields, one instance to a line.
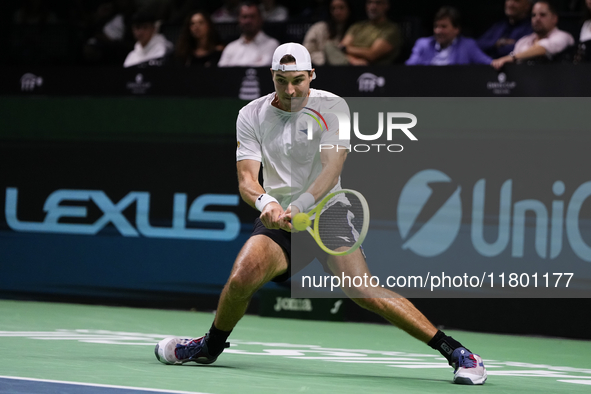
x=444, y=344
x=216, y=340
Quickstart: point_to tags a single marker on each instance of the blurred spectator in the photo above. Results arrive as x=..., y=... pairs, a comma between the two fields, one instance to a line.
x=254, y=48
x=227, y=13
x=122, y=11
x=199, y=43
x=315, y=11
x=500, y=39
x=584, y=50
x=374, y=41
x=586, y=29
x=331, y=31
x=34, y=12
x=272, y=12
x=112, y=38
x=545, y=42
x=446, y=46
x=151, y=48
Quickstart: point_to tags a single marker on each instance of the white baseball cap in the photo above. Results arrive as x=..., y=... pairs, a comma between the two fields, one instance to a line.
x=299, y=52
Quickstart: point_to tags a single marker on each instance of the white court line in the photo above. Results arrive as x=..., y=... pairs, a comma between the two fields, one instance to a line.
x=587, y=382
x=101, y=385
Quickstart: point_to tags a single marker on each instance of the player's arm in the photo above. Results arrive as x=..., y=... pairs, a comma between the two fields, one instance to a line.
x=251, y=190
x=332, y=164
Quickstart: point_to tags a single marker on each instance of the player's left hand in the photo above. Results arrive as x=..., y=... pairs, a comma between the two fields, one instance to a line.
x=271, y=216
x=285, y=219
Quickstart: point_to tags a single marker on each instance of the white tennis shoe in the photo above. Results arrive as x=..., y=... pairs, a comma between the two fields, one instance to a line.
x=177, y=350
x=469, y=367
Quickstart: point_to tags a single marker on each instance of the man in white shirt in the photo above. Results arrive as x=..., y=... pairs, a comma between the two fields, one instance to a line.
x=266, y=136
x=151, y=48
x=254, y=48
x=546, y=40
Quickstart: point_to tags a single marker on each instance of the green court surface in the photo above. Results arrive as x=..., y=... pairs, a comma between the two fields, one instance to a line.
x=114, y=346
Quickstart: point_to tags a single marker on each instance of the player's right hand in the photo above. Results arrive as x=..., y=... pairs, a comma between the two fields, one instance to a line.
x=271, y=216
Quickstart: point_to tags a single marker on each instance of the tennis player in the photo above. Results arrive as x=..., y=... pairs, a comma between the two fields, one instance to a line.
x=265, y=137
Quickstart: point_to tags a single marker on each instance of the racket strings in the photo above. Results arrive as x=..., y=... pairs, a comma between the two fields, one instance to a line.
x=339, y=225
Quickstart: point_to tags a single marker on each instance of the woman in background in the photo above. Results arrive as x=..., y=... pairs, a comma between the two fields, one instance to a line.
x=199, y=43
x=333, y=30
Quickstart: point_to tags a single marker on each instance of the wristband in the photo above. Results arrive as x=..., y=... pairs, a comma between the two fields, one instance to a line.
x=263, y=200
x=304, y=202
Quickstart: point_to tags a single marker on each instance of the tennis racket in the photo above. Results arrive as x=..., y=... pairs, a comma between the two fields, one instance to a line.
x=339, y=222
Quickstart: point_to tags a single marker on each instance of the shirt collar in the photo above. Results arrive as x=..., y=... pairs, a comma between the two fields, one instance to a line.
x=150, y=43
x=535, y=35
x=438, y=47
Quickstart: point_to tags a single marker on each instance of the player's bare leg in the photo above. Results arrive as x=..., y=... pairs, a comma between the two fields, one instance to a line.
x=468, y=367
x=259, y=261
x=396, y=309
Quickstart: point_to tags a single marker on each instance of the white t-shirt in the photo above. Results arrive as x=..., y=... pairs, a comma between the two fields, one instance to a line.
x=156, y=48
x=556, y=42
x=290, y=161
x=256, y=53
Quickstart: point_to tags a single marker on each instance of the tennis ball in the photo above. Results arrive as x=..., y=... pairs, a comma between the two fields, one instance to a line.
x=301, y=221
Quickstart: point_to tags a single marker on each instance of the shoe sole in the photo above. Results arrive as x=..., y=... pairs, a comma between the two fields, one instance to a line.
x=469, y=381
x=161, y=359
x=156, y=353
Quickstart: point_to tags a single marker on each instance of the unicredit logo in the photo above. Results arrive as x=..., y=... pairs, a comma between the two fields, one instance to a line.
x=429, y=213
x=430, y=216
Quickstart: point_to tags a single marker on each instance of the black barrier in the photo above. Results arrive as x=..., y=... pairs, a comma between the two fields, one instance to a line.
x=250, y=83
x=164, y=119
